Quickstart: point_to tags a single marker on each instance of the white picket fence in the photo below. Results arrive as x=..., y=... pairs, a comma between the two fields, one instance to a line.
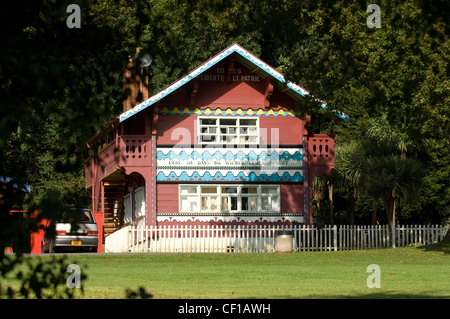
x=263, y=239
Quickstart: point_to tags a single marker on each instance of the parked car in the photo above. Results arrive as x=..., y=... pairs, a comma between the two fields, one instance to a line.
x=77, y=230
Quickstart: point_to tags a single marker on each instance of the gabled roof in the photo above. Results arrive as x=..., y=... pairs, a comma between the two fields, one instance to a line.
x=246, y=58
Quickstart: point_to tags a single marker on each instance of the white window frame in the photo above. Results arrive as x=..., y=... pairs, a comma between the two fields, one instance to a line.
x=260, y=194
x=233, y=138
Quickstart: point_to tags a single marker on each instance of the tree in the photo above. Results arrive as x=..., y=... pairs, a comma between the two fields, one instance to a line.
x=318, y=190
x=393, y=179
x=349, y=162
x=61, y=85
x=57, y=87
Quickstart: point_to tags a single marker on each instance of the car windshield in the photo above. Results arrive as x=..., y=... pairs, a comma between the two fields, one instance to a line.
x=80, y=215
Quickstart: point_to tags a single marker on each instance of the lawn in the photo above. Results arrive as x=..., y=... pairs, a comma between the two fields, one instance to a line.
x=404, y=273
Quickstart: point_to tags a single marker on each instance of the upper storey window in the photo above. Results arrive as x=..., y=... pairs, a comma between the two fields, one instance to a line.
x=224, y=130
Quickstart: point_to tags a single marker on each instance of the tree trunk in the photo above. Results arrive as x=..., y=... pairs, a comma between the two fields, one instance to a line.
x=390, y=210
x=318, y=208
x=330, y=196
x=352, y=206
x=374, y=211
x=393, y=212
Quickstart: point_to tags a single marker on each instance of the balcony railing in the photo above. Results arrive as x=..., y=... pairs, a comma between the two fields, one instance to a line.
x=130, y=150
x=135, y=150
x=321, y=150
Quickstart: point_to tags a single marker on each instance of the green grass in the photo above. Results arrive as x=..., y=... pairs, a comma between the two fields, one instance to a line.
x=405, y=273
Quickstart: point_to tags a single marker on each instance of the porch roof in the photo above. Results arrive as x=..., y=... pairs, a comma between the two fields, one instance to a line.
x=246, y=58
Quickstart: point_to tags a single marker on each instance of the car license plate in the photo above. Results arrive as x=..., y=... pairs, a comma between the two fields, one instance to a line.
x=76, y=242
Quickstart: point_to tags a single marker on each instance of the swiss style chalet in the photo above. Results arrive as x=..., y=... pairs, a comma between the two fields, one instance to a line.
x=223, y=145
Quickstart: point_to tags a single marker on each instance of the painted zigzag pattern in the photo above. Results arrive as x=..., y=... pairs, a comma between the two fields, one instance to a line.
x=227, y=111
x=229, y=155
x=241, y=177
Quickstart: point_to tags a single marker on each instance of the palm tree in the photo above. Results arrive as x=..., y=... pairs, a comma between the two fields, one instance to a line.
x=391, y=178
x=318, y=190
x=375, y=168
x=403, y=139
x=333, y=181
x=388, y=174
x=349, y=161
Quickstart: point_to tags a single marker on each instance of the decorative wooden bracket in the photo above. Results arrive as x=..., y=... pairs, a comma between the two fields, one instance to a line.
x=194, y=91
x=268, y=92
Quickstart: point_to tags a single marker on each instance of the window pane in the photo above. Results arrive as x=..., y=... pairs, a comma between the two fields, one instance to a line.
x=274, y=203
x=209, y=190
x=225, y=130
x=233, y=201
x=253, y=203
x=244, y=203
x=189, y=204
x=225, y=203
x=188, y=189
x=229, y=190
x=208, y=138
x=208, y=122
x=265, y=205
x=248, y=122
x=209, y=203
x=227, y=122
x=204, y=203
x=269, y=190
x=213, y=201
x=249, y=190
x=250, y=203
x=229, y=203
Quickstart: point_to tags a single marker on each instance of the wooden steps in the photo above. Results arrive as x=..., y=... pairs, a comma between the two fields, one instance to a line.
x=113, y=206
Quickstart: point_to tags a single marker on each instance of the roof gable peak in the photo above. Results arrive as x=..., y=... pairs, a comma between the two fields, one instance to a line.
x=244, y=57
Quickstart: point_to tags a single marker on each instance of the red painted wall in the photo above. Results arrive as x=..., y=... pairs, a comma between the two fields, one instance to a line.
x=167, y=197
x=182, y=129
x=219, y=93
x=291, y=198
x=176, y=129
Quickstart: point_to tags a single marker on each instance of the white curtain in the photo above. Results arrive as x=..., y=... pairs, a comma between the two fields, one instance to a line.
x=127, y=209
x=139, y=201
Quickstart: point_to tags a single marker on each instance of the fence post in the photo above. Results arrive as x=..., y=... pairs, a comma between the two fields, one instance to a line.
x=393, y=235
x=335, y=237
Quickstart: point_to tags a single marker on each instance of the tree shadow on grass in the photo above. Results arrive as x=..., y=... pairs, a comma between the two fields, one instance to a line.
x=442, y=247
x=388, y=295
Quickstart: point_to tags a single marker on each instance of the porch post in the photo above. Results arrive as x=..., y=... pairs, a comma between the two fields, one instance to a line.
x=94, y=180
x=102, y=193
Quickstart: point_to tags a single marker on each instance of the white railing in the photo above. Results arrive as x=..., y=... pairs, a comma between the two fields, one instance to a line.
x=263, y=239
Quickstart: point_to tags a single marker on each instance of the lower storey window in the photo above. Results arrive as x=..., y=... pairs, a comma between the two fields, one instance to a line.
x=229, y=198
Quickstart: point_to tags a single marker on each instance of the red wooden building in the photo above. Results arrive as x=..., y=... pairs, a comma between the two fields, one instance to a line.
x=224, y=144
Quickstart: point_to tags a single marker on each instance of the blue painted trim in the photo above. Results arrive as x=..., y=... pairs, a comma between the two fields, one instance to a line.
x=252, y=156
x=241, y=177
